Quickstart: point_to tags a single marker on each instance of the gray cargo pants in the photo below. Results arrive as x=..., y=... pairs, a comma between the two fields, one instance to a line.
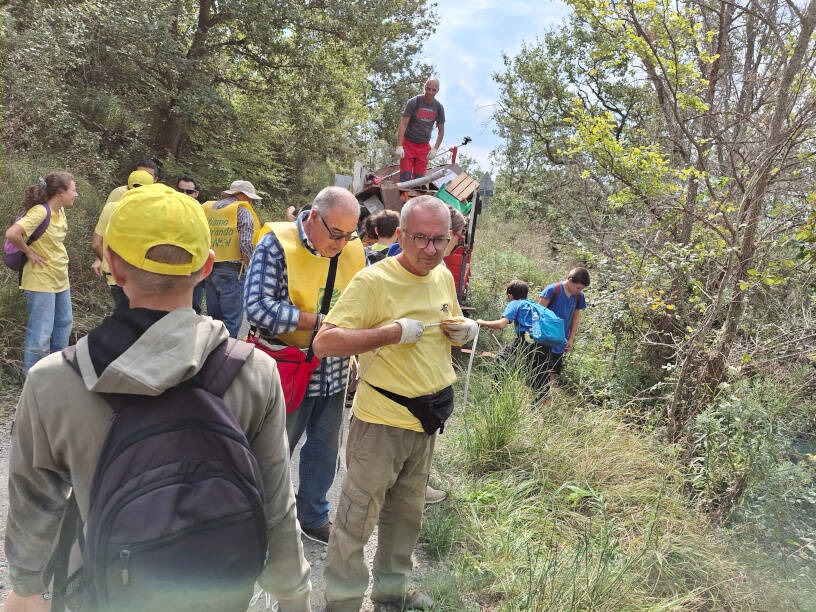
x=387, y=470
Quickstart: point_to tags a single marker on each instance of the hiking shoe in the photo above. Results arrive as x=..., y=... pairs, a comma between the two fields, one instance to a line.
x=318, y=534
x=434, y=496
x=414, y=600
x=417, y=600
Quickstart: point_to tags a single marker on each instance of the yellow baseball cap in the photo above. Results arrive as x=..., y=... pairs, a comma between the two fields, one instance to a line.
x=138, y=178
x=157, y=214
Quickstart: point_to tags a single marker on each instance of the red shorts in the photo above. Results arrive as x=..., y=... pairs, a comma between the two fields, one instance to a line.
x=415, y=161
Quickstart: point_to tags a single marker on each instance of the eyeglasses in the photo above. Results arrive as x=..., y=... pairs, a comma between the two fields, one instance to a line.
x=188, y=191
x=421, y=242
x=335, y=235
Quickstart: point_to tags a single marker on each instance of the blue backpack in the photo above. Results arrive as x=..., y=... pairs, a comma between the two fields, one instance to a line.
x=547, y=327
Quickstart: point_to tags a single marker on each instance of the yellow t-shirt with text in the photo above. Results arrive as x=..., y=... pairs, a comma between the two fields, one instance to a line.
x=377, y=296
x=53, y=276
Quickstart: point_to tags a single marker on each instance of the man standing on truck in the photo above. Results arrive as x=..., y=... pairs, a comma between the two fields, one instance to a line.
x=414, y=134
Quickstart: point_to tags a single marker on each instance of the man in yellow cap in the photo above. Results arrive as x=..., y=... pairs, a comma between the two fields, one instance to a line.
x=148, y=165
x=158, y=247
x=143, y=175
x=233, y=227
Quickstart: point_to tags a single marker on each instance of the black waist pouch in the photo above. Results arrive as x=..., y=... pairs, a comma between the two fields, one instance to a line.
x=432, y=410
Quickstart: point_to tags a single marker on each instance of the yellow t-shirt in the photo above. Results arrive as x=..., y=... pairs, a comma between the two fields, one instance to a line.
x=116, y=194
x=376, y=296
x=102, y=226
x=52, y=277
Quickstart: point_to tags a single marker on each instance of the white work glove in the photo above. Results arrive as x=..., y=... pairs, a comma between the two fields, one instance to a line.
x=432, y=153
x=460, y=332
x=411, y=330
x=400, y=151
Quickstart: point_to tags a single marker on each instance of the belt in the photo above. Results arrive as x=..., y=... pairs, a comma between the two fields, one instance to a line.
x=228, y=264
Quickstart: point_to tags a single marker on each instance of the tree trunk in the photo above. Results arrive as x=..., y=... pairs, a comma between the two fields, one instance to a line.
x=755, y=197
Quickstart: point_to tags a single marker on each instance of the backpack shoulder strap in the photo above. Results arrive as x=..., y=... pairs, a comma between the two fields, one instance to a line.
x=221, y=366
x=556, y=291
x=40, y=229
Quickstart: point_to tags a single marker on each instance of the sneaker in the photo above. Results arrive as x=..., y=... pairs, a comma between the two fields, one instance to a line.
x=318, y=534
x=434, y=496
x=414, y=600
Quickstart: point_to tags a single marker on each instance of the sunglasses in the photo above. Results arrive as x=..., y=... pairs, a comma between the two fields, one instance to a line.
x=188, y=191
x=335, y=235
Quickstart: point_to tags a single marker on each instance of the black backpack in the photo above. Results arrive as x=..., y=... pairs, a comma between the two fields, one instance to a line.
x=176, y=520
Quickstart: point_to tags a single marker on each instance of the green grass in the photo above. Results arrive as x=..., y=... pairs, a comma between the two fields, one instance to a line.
x=569, y=509
x=569, y=506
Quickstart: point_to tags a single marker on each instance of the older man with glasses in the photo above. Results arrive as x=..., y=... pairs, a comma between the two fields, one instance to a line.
x=286, y=281
x=401, y=316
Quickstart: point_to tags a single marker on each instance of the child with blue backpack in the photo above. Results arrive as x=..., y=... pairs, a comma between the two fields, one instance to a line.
x=565, y=299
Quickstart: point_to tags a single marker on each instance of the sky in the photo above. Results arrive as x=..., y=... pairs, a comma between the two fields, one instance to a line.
x=467, y=49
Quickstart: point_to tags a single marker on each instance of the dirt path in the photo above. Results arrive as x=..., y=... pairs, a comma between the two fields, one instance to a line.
x=6, y=416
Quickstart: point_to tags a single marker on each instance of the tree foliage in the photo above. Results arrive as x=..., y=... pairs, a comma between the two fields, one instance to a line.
x=221, y=87
x=684, y=131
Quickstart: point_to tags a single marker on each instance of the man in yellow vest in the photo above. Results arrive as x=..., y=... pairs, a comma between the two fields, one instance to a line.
x=143, y=175
x=233, y=230
x=285, y=285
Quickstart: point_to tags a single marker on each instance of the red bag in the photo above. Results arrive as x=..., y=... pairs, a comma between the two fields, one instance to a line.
x=294, y=371
x=294, y=366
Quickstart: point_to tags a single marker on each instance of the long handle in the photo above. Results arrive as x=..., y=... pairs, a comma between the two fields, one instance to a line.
x=470, y=366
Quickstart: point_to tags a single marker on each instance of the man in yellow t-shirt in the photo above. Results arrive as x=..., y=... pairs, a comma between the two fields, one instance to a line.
x=404, y=397
x=100, y=266
x=148, y=165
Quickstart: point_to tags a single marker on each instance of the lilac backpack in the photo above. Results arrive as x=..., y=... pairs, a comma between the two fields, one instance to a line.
x=13, y=257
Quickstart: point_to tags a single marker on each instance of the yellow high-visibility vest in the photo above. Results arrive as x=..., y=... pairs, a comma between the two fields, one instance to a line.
x=307, y=274
x=224, y=229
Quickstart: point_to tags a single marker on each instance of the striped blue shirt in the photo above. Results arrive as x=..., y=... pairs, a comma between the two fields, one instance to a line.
x=269, y=307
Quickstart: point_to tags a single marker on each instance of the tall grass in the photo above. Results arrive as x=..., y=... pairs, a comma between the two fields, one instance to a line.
x=563, y=508
x=566, y=505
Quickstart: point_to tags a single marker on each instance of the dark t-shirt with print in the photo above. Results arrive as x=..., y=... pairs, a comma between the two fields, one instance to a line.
x=423, y=117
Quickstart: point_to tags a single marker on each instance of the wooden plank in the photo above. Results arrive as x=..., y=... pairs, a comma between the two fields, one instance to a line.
x=462, y=187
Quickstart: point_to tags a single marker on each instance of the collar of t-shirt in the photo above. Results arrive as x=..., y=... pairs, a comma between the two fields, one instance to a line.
x=304, y=239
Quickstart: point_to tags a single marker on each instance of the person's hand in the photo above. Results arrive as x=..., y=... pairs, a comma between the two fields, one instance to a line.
x=400, y=152
x=411, y=330
x=32, y=603
x=432, y=152
x=96, y=266
x=36, y=259
x=480, y=322
x=569, y=345
x=291, y=213
x=460, y=332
